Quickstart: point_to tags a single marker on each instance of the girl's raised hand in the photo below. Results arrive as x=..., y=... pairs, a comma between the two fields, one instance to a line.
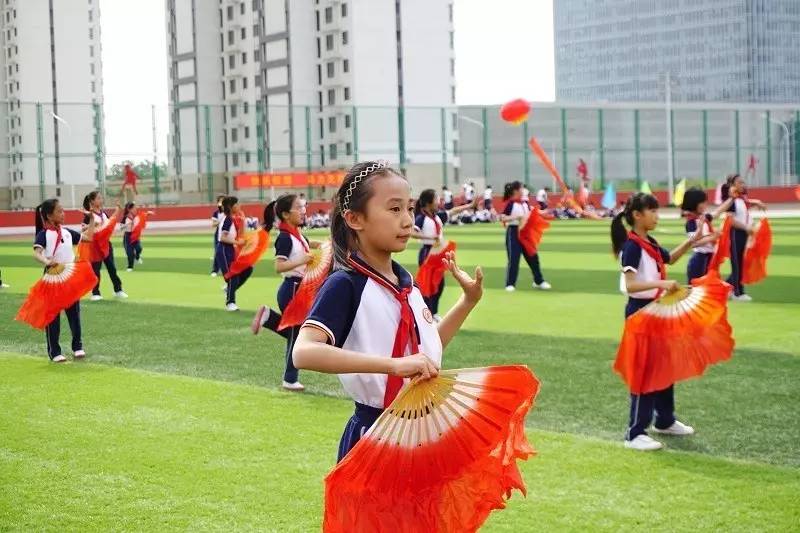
x=473, y=288
x=414, y=366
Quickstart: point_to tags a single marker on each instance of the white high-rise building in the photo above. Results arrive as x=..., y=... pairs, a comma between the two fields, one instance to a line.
x=320, y=81
x=50, y=77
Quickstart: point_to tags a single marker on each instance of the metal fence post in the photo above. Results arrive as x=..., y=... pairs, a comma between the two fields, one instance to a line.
x=601, y=150
x=443, y=120
x=637, y=149
x=99, y=161
x=526, y=154
x=40, y=150
x=260, y=149
x=736, y=141
x=485, y=141
x=355, y=134
x=307, y=118
x=401, y=137
x=705, y=148
x=564, y=161
x=209, y=169
x=767, y=125
x=155, y=156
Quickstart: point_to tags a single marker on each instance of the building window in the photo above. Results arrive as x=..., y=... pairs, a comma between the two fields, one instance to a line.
x=256, y=30
x=232, y=61
x=232, y=86
x=235, y=159
x=450, y=12
x=452, y=94
x=247, y=157
x=244, y=83
x=331, y=97
x=344, y=10
x=247, y=132
x=94, y=87
x=329, y=68
x=244, y=58
x=331, y=124
x=452, y=67
x=233, y=110
x=234, y=134
x=452, y=40
x=321, y=128
x=347, y=120
x=322, y=155
x=329, y=42
x=345, y=37
x=332, y=151
x=319, y=74
x=317, y=14
x=329, y=19
x=246, y=106
x=241, y=8
x=91, y=33
x=230, y=37
x=256, y=55
x=348, y=148
x=319, y=48
x=319, y=94
x=244, y=33
x=91, y=51
x=346, y=65
x=347, y=93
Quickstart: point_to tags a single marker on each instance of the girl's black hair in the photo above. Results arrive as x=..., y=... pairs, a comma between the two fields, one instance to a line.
x=510, y=188
x=227, y=204
x=638, y=202
x=692, y=199
x=44, y=210
x=276, y=208
x=127, y=210
x=726, y=187
x=357, y=191
x=426, y=197
x=87, y=205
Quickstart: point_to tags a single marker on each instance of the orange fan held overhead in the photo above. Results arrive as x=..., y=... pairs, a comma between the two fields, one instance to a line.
x=138, y=227
x=61, y=286
x=431, y=272
x=516, y=111
x=316, y=272
x=676, y=337
x=441, y=457
x=98, y=248
x=248, y=254
x=756, y=254
x=531, y=231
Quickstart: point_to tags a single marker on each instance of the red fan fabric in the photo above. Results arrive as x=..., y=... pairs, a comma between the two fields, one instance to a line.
x=98, y=248
x=530, y=233
x=316, y=273
x=247, y=255
x=450, y=472
x=676, y=338
x=756, y=254
x=723, y=246
x=138, y=228
x=515, y=111
x=59, y=288
x=431, y=271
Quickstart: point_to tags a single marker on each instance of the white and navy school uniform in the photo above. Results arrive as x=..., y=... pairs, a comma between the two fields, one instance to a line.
x=57, y=244
x=361, y=313
x=660, y=404
x=741, y=214
x=99, y=219
x=541, y=198
x=216, y=216
x=133, y=250
x=698, y=263
x=290, y=248
x=225, y=255
x=514, y=249
x=447, y=197
x=431, y=227
x=487, y=199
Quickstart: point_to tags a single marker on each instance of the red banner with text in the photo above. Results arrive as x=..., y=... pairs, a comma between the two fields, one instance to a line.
x=251, y=180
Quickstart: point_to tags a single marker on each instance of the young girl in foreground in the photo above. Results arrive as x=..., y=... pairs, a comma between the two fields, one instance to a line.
x=369, y=323
x=644, y=280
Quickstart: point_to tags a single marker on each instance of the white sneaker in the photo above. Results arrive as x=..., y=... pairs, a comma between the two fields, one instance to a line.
x=120, y=294
x=128, y=270
x=224, y=288
x=256, y=324
x=140, y=261
x=213, y=274
x=79, y=354
x=643, y=443
x=96, y=298
x=294, y=387
x=543, y=286
x=742, y=298
x=677, y=428
x=59, y=359
x=5, y=286
x=510, y=288
x=232, y=307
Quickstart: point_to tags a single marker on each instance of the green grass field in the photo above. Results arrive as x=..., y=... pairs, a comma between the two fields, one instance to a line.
x=176, y=420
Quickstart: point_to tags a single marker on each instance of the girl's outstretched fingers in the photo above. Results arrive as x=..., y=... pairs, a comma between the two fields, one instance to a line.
x=472, y=287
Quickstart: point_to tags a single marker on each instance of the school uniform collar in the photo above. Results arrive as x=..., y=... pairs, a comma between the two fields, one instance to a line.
x=404, y=279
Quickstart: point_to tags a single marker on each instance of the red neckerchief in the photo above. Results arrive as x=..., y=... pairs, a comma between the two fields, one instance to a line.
x=294, y=232
x=651, y=250
x=743, y=196
x=436, y=222
x=706, y=221
x=59, y=238
x=406, y=334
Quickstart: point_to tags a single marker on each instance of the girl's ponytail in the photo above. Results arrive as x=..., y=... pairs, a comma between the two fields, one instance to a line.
x=269, y=216
x=39, y=220
x=618, y=232
x=44, y=210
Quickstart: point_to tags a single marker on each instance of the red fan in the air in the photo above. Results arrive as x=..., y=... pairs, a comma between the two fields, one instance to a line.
x=441, y=457
x=676, y=337
x=138, y=228
x=723, y=246
x=247, y=255
x=516, y=111
x=59, y=288
x=431, y=271
x=756, y=254
x=530, y=233
x=316, y=273
x=97, y=249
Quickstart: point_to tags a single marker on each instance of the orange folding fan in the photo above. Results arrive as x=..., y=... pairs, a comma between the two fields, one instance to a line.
x=61, y=286
x=316, y=272
x=431, y=271
x=138, y=228
x=247, y=255
x=98, y=248
x=723, y=246
x=676, y=337
x=440, y=458
x=756, y=253
x=530, y=233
